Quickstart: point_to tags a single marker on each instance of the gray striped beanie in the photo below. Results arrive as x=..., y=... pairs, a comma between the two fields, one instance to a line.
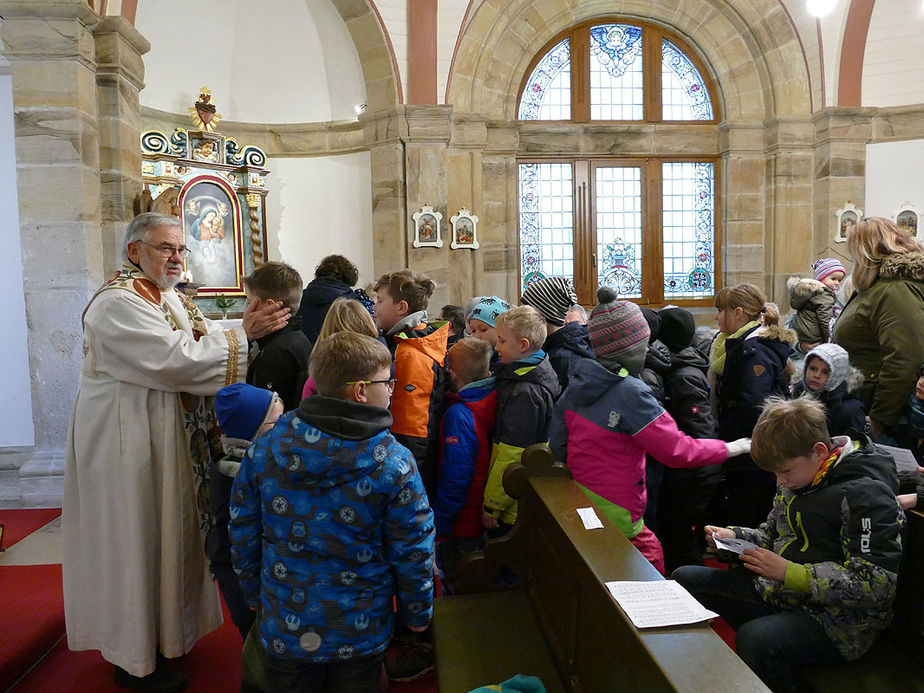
x=551, y=296
x=618, y=333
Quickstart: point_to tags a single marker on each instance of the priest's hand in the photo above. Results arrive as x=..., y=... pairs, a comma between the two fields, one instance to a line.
x=264, y=317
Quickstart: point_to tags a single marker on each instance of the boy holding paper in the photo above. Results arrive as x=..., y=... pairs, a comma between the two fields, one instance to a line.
x=822, y=578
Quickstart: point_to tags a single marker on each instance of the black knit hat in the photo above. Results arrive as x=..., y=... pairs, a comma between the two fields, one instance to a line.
x=654, y=322
x=677, y=328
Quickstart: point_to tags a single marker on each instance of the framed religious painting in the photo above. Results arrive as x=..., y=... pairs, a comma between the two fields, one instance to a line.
x=464, y=230
x=908, y=217
x=427, y=231
x=217, y=189
x=845, y=219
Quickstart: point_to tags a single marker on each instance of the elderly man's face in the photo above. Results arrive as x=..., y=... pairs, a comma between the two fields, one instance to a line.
x=164, y=271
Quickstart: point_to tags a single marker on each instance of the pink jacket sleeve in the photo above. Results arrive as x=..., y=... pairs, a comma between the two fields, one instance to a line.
x=671, y=447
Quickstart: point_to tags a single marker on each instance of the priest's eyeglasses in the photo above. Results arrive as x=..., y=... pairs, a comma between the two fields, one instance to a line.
x=389, y=383
x=167, y=250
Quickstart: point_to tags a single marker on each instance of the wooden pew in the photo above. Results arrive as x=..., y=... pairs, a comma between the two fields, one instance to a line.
x=559, y=621
x=896, y=661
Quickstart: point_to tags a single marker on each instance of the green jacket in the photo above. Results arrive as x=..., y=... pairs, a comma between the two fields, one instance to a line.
x=881, y=329
x=813, y=303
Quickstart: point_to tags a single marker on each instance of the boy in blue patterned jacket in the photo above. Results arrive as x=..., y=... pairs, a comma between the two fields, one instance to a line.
x=330, y=511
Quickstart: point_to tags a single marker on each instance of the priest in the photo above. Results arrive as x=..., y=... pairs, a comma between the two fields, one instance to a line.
x=135, y=519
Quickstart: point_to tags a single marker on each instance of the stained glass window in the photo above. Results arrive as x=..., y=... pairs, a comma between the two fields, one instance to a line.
x=684, y=95
x=547, y=95
x=546, y=224
x=688, y=229
x=619, y=229
x=616, y=85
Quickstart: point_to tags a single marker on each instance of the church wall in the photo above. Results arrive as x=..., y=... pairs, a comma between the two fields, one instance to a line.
x=893, y=177
x=320, y=206
x=16, y=404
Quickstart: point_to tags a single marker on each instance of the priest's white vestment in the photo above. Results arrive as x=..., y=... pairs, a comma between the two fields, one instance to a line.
x=136, y=577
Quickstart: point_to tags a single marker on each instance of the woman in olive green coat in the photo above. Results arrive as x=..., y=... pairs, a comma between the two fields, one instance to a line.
x=882, y=325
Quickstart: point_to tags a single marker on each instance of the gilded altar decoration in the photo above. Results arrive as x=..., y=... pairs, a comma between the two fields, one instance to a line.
x=203, y=113
x=217, y=188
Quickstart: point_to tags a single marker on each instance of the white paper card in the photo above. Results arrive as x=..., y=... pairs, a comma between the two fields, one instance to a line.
x=589, y=518
x=738, y=546
x=658, y=603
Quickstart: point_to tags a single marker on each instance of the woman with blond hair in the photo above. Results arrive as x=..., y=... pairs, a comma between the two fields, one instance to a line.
x=881, y=325
x=749, y=361
x=345, y=315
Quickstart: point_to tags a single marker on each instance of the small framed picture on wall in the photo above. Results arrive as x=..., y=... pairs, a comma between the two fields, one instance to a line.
x=908, y=217
x=427, y=231
x=464, y=230
x=845, y=219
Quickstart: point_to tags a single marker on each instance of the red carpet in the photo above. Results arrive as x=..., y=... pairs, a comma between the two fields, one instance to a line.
x=31, y=617
x=21, y=523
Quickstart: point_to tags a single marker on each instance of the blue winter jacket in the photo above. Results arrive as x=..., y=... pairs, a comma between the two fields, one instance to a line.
x=330, y=522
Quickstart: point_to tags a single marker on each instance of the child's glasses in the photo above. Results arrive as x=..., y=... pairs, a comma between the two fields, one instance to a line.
x=389, y=383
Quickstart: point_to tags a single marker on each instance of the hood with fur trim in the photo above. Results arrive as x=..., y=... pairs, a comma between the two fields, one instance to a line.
x=904, y=266
x=776, y=333
x=802, y=290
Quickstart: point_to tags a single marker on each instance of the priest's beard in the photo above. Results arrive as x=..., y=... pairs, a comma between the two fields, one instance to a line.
x=165, y=281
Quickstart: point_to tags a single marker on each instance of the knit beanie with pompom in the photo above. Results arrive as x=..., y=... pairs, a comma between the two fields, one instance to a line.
x=618, y=333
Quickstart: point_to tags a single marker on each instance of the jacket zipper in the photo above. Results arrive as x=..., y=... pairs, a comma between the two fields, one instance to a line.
x=802, y=529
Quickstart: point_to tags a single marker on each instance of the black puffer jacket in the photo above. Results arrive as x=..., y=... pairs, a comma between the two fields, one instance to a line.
x=657, y=365
x=565, y=348
x=316, y=300
x=686, y=391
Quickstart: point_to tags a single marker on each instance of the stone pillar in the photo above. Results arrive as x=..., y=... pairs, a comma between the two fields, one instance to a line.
x=789, y=203
x=385, y=133
x=119, y=78
x=500, y=225
x=53, y=63
x=841, y=136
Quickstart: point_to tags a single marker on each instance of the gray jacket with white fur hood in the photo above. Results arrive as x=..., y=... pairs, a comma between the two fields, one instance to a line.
x=814, y=304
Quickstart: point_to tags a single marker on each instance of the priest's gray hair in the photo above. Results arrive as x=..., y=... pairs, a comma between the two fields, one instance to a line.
x=141, y=226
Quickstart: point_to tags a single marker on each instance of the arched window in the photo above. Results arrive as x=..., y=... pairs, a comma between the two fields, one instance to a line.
x=646, y=224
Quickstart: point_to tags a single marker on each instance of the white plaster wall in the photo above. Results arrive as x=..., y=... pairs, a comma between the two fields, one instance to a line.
x=16, y=427
x=449, y=24
x=320, y=206
x=893, y=177
x=288, y=61
x=894, y=58
x=394, y=15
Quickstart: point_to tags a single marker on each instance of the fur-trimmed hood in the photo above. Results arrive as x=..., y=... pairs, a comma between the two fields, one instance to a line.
x=775, y=333
x=904, y=266
x=802, y=290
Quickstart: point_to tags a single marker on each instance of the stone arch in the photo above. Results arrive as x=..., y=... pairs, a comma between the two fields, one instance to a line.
x=753, y=51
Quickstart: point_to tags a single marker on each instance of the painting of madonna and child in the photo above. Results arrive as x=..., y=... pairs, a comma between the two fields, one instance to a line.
x=209, y=222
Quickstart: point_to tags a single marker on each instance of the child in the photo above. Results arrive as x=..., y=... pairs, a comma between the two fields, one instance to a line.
x=456, y=319
x=483, y=316
x=749, y=362
x=821, y=585
x=813, y=301
x=566, y=343
x=345, y=315
x=419, y=350
x=909, y=432
x=243, y=412
x=526, y=388
x=465, y=450
x=608, y=419
x=282, y=354
x=330, y=523
x=686, y=494
x=830, y=379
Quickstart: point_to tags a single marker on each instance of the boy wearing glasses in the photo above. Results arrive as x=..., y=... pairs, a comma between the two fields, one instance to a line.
x=330, y=510
x=282, y=356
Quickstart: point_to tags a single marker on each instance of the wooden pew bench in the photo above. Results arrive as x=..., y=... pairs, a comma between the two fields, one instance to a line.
x=896, y=661
x=559, y=621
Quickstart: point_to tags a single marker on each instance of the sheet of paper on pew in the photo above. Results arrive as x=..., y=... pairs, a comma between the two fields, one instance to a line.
x=658, y=603
x=738, y=546
x=905, y=463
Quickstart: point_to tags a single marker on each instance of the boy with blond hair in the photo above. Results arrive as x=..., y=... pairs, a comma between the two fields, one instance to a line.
x=330, y=510
x=419, y=350
x=465, y=451
x=282, y=356
x=821, y=580
x=526, y=389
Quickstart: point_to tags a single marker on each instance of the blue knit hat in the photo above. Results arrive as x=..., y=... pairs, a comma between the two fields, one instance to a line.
x=241, y=410
x=488, y=309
